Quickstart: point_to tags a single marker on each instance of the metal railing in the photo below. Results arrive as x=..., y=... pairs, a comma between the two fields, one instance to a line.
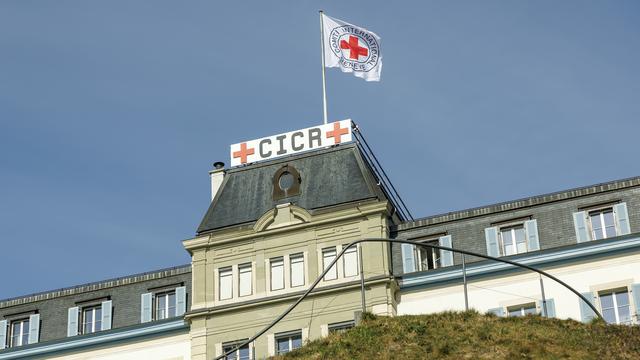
x=362, y=282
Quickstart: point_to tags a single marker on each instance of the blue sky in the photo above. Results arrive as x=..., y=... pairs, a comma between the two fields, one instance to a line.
x=112, y=112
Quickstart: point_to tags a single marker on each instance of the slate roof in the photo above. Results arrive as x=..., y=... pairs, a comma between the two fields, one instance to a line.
x=329, y=177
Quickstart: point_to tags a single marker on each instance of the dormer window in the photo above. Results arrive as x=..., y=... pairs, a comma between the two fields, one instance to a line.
x=286, y=183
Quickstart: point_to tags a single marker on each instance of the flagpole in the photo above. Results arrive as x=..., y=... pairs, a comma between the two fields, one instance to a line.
x=324, y=81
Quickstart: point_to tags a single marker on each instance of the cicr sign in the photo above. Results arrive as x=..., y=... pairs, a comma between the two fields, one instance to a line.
x=290, y=143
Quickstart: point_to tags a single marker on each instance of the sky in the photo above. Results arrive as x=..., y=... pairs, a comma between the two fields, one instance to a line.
x=113, y=112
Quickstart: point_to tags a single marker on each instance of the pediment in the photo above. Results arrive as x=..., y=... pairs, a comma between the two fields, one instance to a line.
x=282, y=215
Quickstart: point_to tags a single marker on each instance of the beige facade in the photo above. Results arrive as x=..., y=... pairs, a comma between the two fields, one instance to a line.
x=281, y=232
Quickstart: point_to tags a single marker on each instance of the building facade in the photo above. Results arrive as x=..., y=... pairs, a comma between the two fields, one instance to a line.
x=273, y=227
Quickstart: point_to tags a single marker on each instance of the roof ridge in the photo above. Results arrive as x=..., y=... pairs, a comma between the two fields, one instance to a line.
x=531, y=200
x=112, y=282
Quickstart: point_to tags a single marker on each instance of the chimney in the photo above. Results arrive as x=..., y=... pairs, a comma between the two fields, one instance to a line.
x=217, y=175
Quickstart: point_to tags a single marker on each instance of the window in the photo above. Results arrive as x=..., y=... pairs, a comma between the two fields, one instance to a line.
x=513, y=240
x=242, y=353
x=615, y=306
x=427, y=258
x=19, y=332
x=286, y=342
x=277, y=273
x=91, y=319
x=341, y=327
x=350, y=261
x=522, y=310
x=226, y=283
x=296, y=262
x=602, y=224
x=246, y=279
x=328, y=255
x=165, y=305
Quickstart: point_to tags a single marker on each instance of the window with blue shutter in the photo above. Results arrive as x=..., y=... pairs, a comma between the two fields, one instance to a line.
x=531, y=231
x=446, y=257
x=550, y=308
x=181, y=300
x=635, y=295
x=496, y=311
x=145, y=307
x=622, y=218
x=106, y=315
x=580, y=225
x=491, y=237
x=408, y=262
x=3, y=334
x=72, y=321
x=34, y=328
x=586, y=313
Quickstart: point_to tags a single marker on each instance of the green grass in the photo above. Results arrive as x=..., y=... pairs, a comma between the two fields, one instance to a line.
x=470, y=335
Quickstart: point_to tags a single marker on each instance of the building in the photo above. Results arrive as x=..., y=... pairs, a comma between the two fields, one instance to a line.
x=274, y=226
x=135, y=317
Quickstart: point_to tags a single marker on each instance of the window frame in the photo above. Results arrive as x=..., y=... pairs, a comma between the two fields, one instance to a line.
x=241, y=267
x=156, y=299
x=280, y=260
x=82, y=322
x=236, y=356
x=225, y=270
x=613, y=292
x=299, y=258
x=522, y=309
x=435, y=254
x=353, y=249
x=289, y=335
x=340, y=326
x=601, y=210
x=334, y=269
x=23, y=333
x=512, y=226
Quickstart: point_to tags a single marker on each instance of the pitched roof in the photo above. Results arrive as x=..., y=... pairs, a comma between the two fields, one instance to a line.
x=329, y=177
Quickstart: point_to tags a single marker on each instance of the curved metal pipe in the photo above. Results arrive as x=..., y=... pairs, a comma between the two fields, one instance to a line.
x=400, y=241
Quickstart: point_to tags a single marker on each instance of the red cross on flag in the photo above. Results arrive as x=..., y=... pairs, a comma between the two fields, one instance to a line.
x=351, y=48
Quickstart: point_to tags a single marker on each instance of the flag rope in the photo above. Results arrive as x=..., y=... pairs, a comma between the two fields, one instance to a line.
x=324, y=81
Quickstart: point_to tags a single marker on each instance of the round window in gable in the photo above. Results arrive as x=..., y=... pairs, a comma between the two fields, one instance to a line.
x=286, y=182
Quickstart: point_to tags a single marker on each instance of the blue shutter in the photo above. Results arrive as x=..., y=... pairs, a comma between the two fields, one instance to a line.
x=181, y=300
x=635, y=295
x=580, y=224
x=145, y=307
x=491, y=236
x=446, y=256
x=551, y=308
x=34, y=328
x=622, y=219
x=531, y=229
x=408, y=262
x=106, y=315
x=586, y=314
x=72, y=321
x=496, y=311
x=3, y=334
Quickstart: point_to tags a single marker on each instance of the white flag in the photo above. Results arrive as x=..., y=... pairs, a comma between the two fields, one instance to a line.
x=351, y=48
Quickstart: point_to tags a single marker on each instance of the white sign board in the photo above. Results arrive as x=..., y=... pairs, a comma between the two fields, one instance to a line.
x=290, y=143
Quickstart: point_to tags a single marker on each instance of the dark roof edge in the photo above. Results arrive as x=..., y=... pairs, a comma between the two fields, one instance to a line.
x=103, y=284
x=521, y=203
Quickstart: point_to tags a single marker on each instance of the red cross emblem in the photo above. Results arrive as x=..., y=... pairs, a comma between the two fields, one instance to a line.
x=243, y=153
x=355, y=50
x=337, y=133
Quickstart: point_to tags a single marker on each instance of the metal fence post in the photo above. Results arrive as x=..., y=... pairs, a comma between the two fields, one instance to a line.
x=364, y=304
x=544, y=299
x=464, y=281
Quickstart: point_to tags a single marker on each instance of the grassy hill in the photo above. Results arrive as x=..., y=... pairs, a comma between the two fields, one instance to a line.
x=470, y=335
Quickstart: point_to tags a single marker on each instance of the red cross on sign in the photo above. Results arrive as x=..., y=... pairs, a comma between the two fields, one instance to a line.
x=355, y=50
x=243, y=153
x=337, y=132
